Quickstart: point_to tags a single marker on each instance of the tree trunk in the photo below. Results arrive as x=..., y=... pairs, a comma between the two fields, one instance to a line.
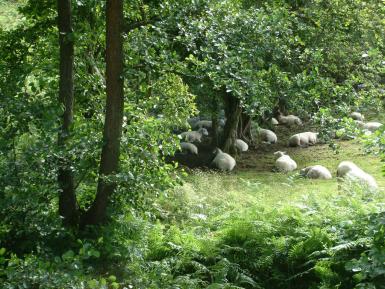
x=233, y=112
x=68, y=207
x=114, y=114
x=244, y=128
x=215, y=132
x=215, y=123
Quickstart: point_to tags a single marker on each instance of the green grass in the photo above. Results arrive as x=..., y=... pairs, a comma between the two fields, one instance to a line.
x=9, y=16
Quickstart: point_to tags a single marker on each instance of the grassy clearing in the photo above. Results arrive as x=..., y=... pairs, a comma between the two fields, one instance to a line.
x=9, y=16
x=212, y=195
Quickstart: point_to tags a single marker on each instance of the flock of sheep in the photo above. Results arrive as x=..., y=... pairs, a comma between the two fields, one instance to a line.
x=283, y=163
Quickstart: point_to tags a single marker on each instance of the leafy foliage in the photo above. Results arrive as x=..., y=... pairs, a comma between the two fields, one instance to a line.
x=323, y=57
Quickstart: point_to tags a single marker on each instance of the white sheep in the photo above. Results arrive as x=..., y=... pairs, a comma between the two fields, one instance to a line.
x=303, y=139
x=193, y=120
x=241, y=145
x=349, y=170
x=194, y=136
x=372, y=126
x=274, y=121
x=189, y=147
x=316, y=172
x=359, y=123
x=267, y=136
x=289, y=120
x=223, y=161
x=284, y=163
x=357, y=116
x=222, y=122
x=204, y=123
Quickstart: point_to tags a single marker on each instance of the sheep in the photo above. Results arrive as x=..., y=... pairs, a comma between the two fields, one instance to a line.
x=193, y=120
x=267, y=136
x=284, y=163
x=289, y=120
x=303, y=139
x=241, y=145
x=194, y=136
x=316, y=172
x=274, y=121
x=349, y=170
x=189, y=147
x=357, y=116
x=372, y=126
x=222, y=122
x=359, y=123
x=223, y=161
x=204, y=123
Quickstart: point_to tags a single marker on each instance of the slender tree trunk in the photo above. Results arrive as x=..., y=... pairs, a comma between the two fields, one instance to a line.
x=215, y=132
x=68, y=208
x=114, y=114
x=244, y=127
x=215, y=123
x=233, y=112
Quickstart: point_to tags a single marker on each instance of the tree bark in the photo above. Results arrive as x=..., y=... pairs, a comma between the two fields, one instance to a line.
x=244, y=128
x=233, y=111
x=215, y=123
x=68, y=207
x=215, y=132
x=114, y=114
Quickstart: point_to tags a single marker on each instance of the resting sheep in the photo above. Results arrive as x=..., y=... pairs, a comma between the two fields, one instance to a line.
x=316, y=172
x=369, y=126
x=193, y=120
x=204, y=123
x=241, y=145
x=189, y=147
x=349, y=170
x=267, y=136
x=303, y=139
x=357, y=116
x=372, y=126
x=289, y=120
x=284, y=163
x=223, y=161
x=274, y=121
x=194, y=136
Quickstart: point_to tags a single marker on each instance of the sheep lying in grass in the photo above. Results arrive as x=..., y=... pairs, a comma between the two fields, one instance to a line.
x=349, y=170
x=223, y=161
x=303, y=139
x=284, y=163
x=267, y=136
x=193, y=120
x=241, y=145
x=289, y=120
x=369, y=126
x=274, y=121
x=357, y=116
x=316, y=172
x=359, y=123
x=204, y=123
x=189, y=147
x=194, y=136
x=372, y=126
